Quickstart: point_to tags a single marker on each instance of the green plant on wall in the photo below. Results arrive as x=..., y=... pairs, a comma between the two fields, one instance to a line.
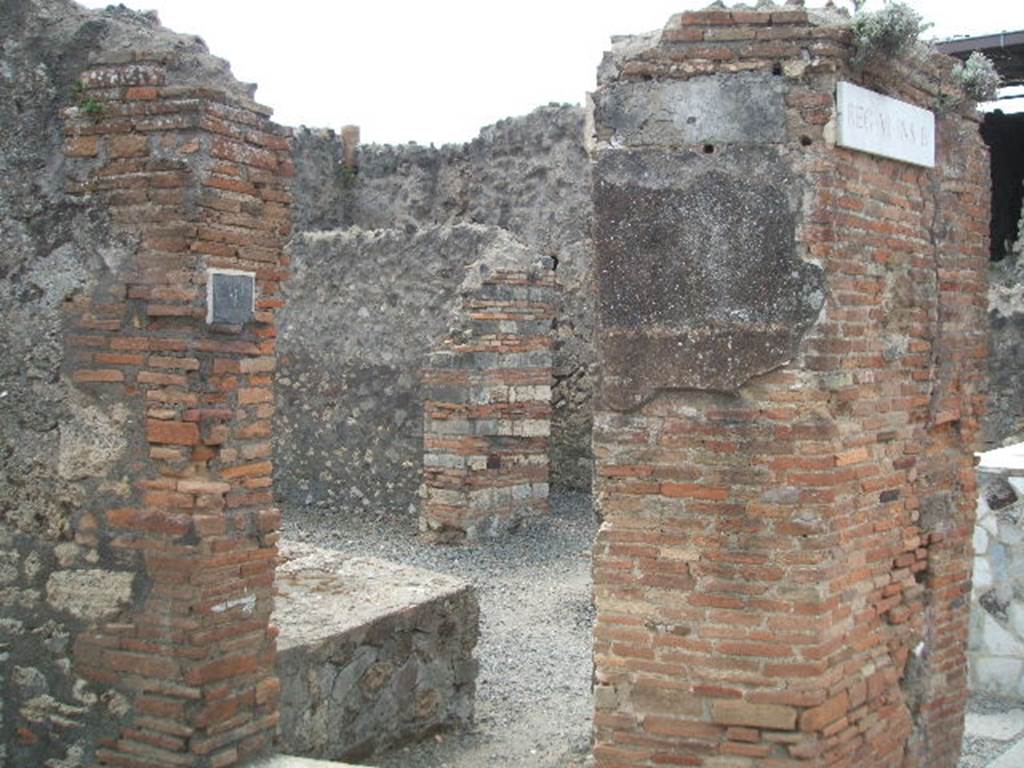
x=91, y=107
x=890, y=32
x=87, y=104
x=977, y=77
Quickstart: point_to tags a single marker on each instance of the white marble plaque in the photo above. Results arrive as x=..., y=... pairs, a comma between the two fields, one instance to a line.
x=880, y=125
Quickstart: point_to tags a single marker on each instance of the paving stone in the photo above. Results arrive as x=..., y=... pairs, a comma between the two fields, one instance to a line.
x=1013, y=758
x=1001, y=726
x=996, y=675
x=288, y=761
x=998, y=641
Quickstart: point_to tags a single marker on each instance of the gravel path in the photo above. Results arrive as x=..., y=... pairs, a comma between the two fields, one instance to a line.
x=533, y=704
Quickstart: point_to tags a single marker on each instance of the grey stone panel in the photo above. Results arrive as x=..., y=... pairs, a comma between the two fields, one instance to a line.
x=700, y=284
x=740, y=109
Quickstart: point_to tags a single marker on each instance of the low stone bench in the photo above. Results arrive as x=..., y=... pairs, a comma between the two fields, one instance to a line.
x=371, y=655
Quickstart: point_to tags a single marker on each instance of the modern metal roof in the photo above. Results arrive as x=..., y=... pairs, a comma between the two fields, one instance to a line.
x=1005, y=49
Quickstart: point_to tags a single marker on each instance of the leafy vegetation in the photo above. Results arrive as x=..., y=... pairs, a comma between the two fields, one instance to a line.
x=977, y=77
x=890, y=32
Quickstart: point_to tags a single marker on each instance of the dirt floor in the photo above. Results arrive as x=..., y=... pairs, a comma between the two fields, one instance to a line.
x=533, y=705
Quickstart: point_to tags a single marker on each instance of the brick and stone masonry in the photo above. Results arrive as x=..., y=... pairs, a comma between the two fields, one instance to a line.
x=194, y=178
x=487, y=414
x=529, y=176
x=792, y=343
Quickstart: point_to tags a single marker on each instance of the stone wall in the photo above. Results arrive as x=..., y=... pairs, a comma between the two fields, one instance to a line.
x=137, y=527
x=528, y=175
x=487, y=416
x=373, y=655
x=792, y=341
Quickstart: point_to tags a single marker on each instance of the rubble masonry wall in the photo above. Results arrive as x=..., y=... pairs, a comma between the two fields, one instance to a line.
x=527, y=175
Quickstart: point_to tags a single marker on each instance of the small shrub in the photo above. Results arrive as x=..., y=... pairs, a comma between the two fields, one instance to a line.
x=890, y=32
x=977, y=77
x=92, y=107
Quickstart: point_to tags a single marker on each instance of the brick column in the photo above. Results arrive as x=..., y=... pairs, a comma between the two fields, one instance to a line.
x=792, y=342
x=191, y=179
x=487, y=416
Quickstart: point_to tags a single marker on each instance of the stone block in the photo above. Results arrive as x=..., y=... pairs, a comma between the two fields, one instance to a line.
x=90, y=594
x=745, y=108
x=677, y=307
x=371, y=655
x=772, y=716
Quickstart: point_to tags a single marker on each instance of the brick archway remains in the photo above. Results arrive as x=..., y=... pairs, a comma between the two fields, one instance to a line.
x=792, y=342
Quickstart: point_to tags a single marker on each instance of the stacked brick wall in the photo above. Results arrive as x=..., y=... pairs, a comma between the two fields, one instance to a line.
x=782, y=573
x=487, y=414
x=193, y=179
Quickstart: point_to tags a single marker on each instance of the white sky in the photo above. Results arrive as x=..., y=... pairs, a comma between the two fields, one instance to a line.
x=438, y=70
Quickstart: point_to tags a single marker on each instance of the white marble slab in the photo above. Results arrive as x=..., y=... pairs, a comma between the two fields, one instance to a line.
x=880, y=125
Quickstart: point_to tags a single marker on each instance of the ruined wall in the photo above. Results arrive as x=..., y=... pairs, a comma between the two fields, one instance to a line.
x=529, y=175
x=136, y=526
x=792, y=342
x=365, y=310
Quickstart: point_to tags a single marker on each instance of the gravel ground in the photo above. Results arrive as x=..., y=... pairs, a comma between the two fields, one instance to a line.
x=533, y=704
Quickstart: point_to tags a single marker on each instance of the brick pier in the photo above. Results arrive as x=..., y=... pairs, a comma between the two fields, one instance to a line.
x=792, y=341
x=192, y=179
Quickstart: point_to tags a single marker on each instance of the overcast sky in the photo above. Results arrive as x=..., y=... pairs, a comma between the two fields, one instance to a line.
x=438, y=70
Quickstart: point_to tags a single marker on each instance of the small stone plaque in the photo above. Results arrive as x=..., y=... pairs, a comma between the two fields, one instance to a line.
x=230, y=296
x=880, y=125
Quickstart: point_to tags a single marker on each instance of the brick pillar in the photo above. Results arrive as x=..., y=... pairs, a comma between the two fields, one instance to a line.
x=487, y=416
x=792, y=343
x=190, y=179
